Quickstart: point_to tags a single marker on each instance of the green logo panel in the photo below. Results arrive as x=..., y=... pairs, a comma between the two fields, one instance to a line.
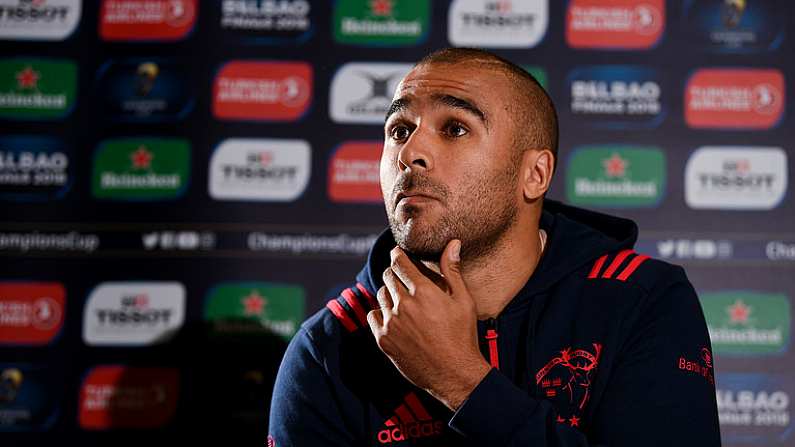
x=747, y=323
x=37, y=88
x=616, y=176
x=539, y=73
x=256, y=307
x=381, y=22
x=141, y=169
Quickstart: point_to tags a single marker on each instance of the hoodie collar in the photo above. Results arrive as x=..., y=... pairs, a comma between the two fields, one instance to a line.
x=575, y=237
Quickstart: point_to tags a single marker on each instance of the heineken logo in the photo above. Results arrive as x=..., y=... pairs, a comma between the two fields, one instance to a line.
x=37, y=88
x=616, y=176
x=381, y=22
x=745, y=322
x=141, y=169
x=256, y=307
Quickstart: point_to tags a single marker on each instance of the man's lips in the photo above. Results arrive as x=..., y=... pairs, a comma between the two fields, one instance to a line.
x=409, y=198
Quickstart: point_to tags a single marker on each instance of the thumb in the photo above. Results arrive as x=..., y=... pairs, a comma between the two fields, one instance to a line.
x=451, y=267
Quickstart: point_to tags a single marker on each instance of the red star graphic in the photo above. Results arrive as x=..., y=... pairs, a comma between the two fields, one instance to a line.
x=254, y=303
x=503, y=6
x=739, y=312
x=574, y=421
x=265, y=158
x=28, y=78
x=381, y=8
x=615, y=166
x=141, y=158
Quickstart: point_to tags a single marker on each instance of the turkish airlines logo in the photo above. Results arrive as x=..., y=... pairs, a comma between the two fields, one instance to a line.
x=38, y=19
x=127, y=397
x=733, y=177
x=617, y=24
x=31, y=313
x=262, y=91
x=735, y=98
x=259, y=169
x=133, y=313
x=353, y=174
x=147, y=19
x=362, y=92
x=498, y=24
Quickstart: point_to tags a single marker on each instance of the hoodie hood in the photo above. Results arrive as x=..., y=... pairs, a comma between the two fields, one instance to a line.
x=575, y=236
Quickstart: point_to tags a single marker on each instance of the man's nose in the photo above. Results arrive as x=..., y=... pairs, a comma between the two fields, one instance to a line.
x=416, y=151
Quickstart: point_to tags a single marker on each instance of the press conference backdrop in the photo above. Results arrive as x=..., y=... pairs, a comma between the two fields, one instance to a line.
x=183, y=182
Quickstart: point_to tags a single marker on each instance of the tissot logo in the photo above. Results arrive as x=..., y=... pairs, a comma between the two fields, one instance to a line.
x=735, y=25
x=133, y=313
x=38, y=19
x=147, y=19
x=353, y=173
x=754, y=409
x=735, y=177
x=362, y=92
x=34, y=168
x=743, y=98
x=37, y=88
x=497, y=23
x=31, y=313
x=127, y=397
x=265, y=91
x=617, y=96
x=259, y=169
x=616, y=24
x=747, y=322
x=254, y=21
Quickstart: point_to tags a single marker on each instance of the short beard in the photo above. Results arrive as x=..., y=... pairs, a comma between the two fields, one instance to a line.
x=479, y=216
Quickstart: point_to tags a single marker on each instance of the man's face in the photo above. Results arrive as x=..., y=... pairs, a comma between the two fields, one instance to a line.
x=449, y=169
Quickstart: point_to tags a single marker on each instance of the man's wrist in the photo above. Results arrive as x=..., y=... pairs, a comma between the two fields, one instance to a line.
x=455, y=392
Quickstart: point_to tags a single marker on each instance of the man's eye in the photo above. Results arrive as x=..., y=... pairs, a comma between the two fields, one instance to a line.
x=399, y=132
x=456, y=130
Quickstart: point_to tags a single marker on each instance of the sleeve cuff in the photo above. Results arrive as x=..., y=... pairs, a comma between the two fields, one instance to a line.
x=494, y=411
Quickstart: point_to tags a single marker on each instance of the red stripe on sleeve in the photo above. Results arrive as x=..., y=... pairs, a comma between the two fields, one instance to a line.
x=370, y=298
x=632, y=267
x=352, y=301
x=416, y=406
x=597, y=266
x=336, y=308
x=616, y=262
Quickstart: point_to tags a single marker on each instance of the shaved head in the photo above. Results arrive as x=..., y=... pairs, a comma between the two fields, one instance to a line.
x=536, y=123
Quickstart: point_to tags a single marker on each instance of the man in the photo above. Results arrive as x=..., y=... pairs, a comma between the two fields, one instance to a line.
x=487, y=315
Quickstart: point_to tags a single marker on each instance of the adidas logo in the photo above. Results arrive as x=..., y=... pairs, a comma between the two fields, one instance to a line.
x=411, y=421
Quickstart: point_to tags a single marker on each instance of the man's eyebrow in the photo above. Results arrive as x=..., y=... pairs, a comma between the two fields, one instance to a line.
x=458, y=103
x=397, y=106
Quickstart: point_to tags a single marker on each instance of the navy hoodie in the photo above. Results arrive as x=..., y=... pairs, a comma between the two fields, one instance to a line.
x=602, y=346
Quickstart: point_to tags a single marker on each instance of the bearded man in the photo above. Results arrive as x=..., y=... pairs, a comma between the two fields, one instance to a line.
x=487, y=315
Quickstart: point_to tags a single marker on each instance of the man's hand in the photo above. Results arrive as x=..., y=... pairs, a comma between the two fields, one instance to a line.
x=429, y=333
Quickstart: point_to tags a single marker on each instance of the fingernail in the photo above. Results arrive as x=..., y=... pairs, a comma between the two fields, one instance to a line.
x=455, y=254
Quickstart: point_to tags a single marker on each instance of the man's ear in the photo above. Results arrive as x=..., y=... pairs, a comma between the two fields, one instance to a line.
x=538, y=165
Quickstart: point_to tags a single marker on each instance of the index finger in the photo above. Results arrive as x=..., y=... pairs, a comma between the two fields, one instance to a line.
x=407, y=271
